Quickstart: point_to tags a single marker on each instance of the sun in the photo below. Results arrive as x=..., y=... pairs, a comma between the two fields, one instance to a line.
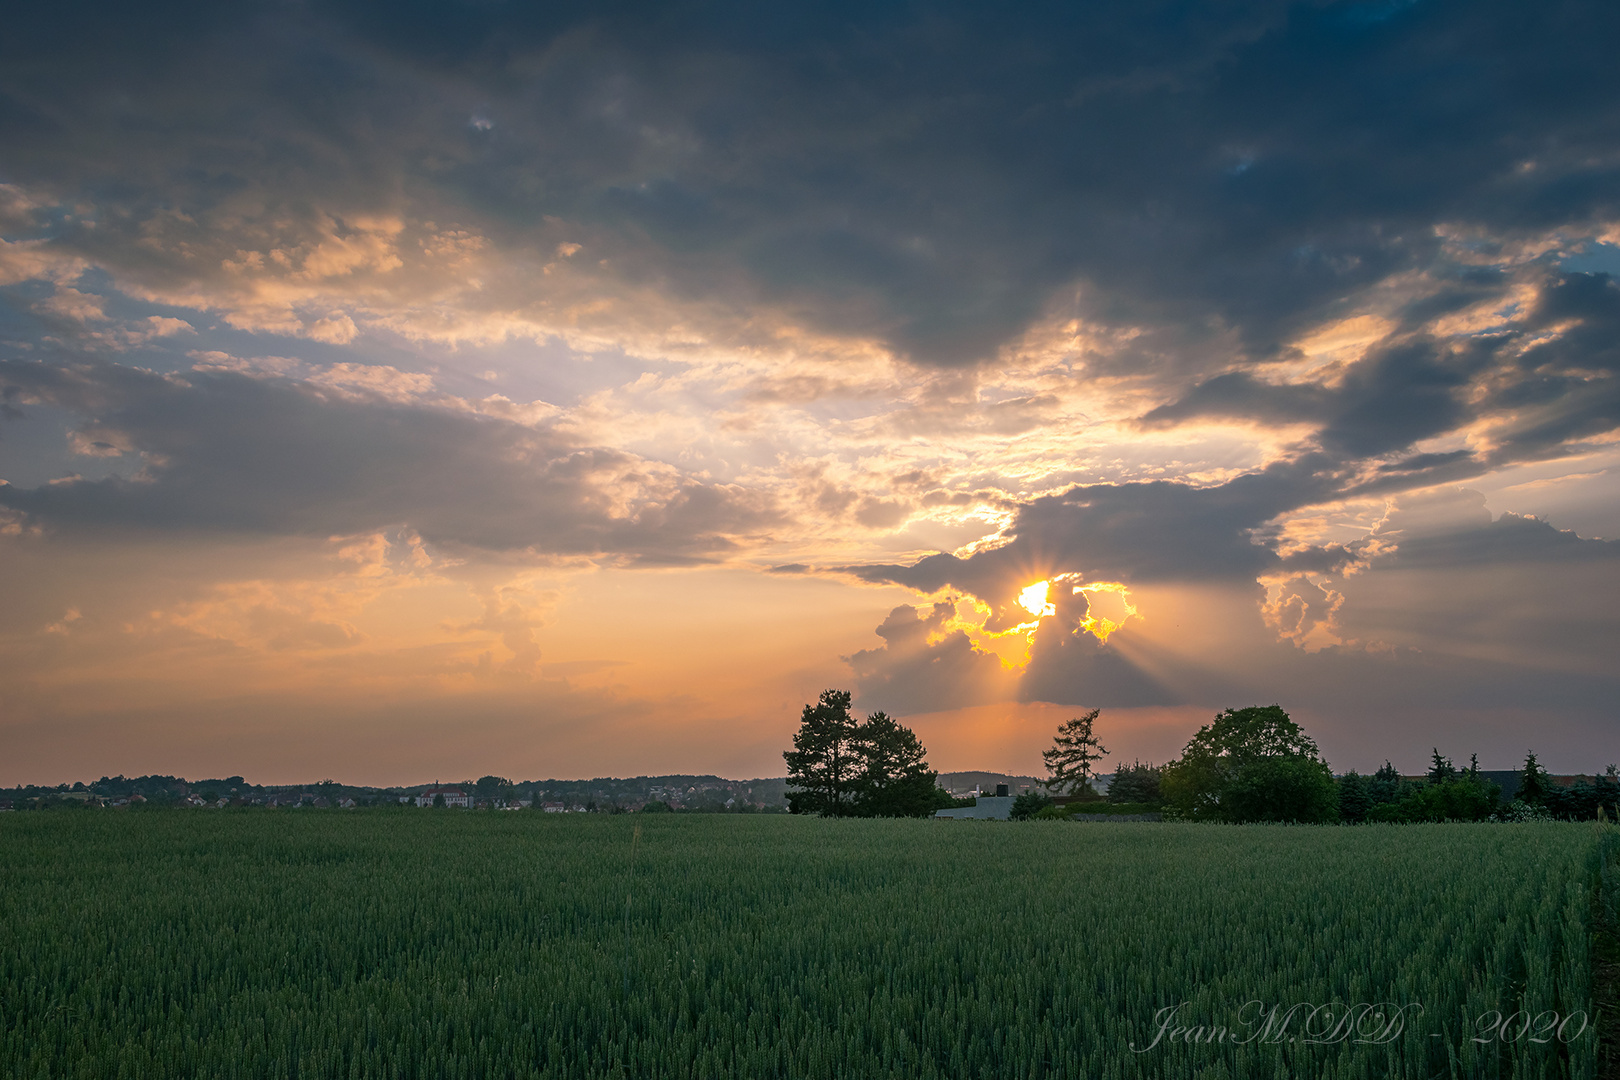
x=1033, y=600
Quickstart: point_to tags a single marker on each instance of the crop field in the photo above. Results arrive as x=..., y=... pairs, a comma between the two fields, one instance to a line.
x=448, y=944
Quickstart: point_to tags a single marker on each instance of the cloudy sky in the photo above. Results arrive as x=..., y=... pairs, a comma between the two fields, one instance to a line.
x=407, y=391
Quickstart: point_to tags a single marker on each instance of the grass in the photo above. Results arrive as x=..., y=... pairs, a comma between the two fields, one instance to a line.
x=447, y=944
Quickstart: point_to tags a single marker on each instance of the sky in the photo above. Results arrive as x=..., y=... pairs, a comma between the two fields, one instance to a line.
x=396, y=392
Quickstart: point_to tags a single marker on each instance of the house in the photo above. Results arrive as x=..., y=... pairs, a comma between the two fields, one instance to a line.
x=453, y=796
x=997, y=807
x=553, y=807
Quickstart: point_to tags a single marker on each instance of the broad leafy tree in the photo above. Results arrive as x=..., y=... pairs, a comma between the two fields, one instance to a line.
x=1252, y=764
x=493, y=787
x=1075, y=749
x=1464, y=797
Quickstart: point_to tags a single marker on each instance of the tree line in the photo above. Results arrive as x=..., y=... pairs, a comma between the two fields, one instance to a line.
x=1252, y=764
x=1256, y=764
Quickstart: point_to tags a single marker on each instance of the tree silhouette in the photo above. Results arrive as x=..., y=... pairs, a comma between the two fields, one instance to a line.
x=842, y=767
x=825, y=763
x=1441, y=769
x=1252, y=764
x=895, y=780
x=1533, y=782
x=1355, y=802
x=1075, y=749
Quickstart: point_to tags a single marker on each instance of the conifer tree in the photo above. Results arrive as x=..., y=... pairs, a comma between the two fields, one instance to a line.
x=825, y=762
x=1440, y=768
x=1075, y=749
x=1533, y=782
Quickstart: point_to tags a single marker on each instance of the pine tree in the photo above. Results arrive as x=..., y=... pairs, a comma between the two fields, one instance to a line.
x=895, y=780
x=1355, y=802
x=1441, y=769
x=1533, y=783
x=1074, y=750
x=825, y=763
x=1134, y=783
x=1385, y=785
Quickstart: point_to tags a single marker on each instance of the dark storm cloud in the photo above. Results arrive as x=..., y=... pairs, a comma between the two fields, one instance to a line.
x=1565, y=387
x=1465, y=611
x=929, y=176
x=1135, y=532
x=1217, y=180
x=924, y=665
x=1453, y=581
x=1073, y=669
x=1396, y=395
x=1455, y=610
x=230, y=453
x=1068, y=666
x=1239, y=395
x=1454, y=529
x=1412, y=387
x=911, y=674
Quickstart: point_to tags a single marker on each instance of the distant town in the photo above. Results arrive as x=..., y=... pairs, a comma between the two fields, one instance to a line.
x=610, y=795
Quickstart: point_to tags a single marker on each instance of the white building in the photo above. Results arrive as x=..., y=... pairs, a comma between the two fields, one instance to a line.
x=453, y=796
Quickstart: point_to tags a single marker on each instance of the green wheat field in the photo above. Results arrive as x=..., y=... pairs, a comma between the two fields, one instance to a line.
x=448, y=944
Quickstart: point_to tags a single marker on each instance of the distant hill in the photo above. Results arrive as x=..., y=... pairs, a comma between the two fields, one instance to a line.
x=689, y=790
